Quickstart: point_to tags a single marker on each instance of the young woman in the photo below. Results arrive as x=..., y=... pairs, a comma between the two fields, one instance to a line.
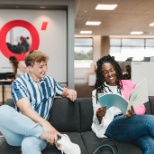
x=17, y=67
x=133, y=127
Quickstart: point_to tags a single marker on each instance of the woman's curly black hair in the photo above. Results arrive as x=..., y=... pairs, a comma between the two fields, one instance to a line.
x=99, y=85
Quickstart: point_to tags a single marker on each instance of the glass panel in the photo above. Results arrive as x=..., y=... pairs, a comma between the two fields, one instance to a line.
x=133, y=42
x=149, y=51
x=149, y=42
x=115, y=50
x=83, y=49
x=83, y=63
x=133, y=53
x=83, y=53
x=115, y=42
x=119, y=57
x=132, y=49
x=83, y=42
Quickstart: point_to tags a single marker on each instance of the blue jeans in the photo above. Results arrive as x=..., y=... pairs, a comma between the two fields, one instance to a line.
x=20, y=130
x=138, y=129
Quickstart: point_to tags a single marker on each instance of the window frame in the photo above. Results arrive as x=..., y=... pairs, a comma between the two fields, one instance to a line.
x=138, y=52
x=84, y=63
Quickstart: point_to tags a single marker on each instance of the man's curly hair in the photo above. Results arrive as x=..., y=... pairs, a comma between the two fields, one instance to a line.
x=99, y=76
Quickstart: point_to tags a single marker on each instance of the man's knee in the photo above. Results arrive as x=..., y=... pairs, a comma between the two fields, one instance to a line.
x=4, y=109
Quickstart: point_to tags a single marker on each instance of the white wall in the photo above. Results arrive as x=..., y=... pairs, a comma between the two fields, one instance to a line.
x=142, y=70
x=62, y=5
x=52, y=40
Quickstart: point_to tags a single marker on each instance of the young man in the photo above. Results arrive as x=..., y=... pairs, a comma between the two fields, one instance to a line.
x=33, y=94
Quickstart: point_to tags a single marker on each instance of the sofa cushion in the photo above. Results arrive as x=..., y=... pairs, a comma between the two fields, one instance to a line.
x=65, y=115
x=148, y=107
x=86, y=113
x=92, y=142
x=151, y=103
x=75, y=138
x=7, y=149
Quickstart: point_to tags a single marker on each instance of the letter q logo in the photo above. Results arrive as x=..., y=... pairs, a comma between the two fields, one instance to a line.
x=4, y=46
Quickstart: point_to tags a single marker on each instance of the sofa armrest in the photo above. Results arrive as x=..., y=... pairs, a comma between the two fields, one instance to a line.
x=9, y=102
x=86, y=113
x=151, y=105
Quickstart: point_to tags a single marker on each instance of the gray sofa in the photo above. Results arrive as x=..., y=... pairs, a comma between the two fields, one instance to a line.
x=75, y=119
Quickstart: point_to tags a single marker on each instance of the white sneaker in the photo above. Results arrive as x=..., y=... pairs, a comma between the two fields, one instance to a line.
x=67, y=146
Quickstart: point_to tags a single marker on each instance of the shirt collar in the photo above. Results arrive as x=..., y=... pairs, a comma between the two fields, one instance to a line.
x=30, y=78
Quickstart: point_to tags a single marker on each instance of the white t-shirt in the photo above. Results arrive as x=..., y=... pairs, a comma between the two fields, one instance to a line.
x=99, y=129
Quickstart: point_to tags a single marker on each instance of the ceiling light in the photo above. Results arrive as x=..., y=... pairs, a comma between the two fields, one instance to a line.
x=136, y=33
x=106, y=6
x=93, y=23
x=152, y=24
x=85, y=32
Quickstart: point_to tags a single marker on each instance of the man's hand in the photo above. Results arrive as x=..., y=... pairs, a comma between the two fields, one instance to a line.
x=70, y=93
x=50, y=133
x=130, y=113
x=100, y=113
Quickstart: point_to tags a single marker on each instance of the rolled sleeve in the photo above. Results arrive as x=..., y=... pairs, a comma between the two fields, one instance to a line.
x=18, y=91
x=59, y=89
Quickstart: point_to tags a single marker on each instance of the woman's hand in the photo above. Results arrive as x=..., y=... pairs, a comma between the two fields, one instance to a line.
x=100, y=113
x=130, y=113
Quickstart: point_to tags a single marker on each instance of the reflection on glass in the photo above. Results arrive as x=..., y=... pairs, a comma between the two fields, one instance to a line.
x=115, y=49
x=83, y=49
x=83, y=42
x=149, y=42
x=137, y=49
x=83, y=53
x=133, y=42
x=18, y=40
x=115, y=42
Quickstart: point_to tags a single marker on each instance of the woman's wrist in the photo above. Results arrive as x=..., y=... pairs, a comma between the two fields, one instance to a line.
x=99, y=118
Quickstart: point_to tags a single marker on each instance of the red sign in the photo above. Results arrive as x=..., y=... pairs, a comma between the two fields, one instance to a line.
x=18, y=23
